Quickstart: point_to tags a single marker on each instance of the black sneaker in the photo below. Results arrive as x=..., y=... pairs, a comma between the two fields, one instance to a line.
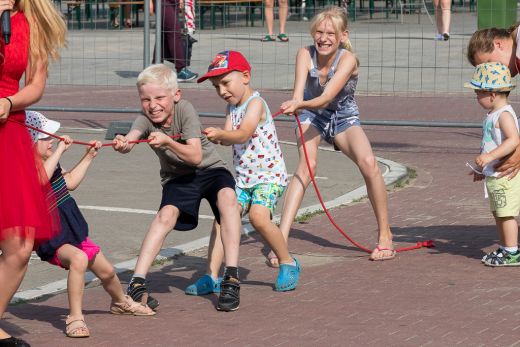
x=446, y=36
x=186, y=75
x=13, y=342
x=229, y=298
x=137, y=289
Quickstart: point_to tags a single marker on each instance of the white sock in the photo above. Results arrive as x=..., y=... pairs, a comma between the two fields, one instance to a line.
x=511, y=250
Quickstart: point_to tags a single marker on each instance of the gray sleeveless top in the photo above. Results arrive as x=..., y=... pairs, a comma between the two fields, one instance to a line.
x=344, y=101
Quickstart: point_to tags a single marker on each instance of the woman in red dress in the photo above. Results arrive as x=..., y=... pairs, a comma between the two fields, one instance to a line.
x=38, y=32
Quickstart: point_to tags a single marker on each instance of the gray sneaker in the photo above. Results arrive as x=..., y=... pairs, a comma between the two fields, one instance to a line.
x=186, y=75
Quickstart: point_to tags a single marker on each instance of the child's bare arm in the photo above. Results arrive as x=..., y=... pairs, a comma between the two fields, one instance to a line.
x=74, y=177
x=507, y=125
x=120, y=142
x=255, y=113
x=52, y=161
x=303, y=64
x=190, y=152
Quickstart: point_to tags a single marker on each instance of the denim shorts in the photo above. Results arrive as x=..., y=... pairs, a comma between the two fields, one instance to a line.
x=328, y=123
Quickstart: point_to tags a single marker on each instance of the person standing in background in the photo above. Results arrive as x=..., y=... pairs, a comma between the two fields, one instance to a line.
x=269, y=18
x=172, y=40
x=443, y=19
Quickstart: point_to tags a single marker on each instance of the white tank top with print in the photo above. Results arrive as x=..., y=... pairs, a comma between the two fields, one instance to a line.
x=260, y=159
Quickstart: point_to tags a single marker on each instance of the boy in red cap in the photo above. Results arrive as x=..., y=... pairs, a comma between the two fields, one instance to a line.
x=191, y=170
x=261, y=176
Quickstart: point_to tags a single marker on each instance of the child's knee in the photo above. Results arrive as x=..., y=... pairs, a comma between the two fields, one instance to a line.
x=227, y=199
x=167, y=215
x=259, y=216
x=78, y=261
x=107, y=275
x=368, y=166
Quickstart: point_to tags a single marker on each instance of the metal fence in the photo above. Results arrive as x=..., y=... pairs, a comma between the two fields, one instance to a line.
x=396, y=49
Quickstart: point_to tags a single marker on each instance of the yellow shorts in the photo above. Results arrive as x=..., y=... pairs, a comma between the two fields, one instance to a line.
x=504, y=195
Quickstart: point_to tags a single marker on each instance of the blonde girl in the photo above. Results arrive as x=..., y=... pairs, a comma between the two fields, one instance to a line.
x=38, y=32
x=325, y=81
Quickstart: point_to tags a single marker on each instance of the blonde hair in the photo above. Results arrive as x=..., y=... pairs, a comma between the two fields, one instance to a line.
x=482, y=41
x=158, y=74
x=47, y=29
x=338, y=18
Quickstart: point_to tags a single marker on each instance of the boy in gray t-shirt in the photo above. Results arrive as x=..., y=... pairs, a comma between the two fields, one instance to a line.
x=191, y=170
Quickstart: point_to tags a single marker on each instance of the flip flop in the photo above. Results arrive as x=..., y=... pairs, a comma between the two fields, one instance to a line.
x=388, y=257
x=283, y=38
x=268, y=38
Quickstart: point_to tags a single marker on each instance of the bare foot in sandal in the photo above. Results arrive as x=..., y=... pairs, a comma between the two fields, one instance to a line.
x=76, y=327
x=272, y=260
x=382, y=253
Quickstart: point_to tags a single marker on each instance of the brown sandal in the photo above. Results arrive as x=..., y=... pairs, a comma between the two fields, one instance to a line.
x=76, y=327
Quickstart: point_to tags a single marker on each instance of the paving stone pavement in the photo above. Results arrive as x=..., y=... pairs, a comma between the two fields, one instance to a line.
x=441, y=296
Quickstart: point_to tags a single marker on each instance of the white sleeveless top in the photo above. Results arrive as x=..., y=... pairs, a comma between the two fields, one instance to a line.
x=492, y=136
x=260, y=159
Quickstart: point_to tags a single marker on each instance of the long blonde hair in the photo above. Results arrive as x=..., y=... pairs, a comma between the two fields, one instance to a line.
x=339, y=20
x=47, y=29
x=482, y=41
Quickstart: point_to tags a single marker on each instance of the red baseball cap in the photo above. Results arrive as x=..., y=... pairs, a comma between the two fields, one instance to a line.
x=225, y=62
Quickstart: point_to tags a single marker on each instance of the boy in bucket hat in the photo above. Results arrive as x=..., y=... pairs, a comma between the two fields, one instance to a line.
x=261, y=176
x=492, y=84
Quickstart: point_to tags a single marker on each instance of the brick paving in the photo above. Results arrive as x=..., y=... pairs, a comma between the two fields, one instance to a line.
x=429, y=297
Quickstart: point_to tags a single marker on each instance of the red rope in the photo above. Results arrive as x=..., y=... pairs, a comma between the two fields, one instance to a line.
x=419, y=244
x=106, y=144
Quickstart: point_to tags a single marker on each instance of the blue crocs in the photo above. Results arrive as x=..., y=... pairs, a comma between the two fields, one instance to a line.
x=287, y=277
x=204, y=286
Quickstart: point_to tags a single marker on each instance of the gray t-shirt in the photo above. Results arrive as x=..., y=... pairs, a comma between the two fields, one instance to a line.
x=186, y=122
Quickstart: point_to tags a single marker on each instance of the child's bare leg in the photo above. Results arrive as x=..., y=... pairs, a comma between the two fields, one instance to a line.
x=230, y=222
x=507, y=228
x=77, y=262
x=215, y=251
x=102, y=268
x=161, y=226
x=354, y=143
x=260, y=217
x=301, y=179
x=15, y=256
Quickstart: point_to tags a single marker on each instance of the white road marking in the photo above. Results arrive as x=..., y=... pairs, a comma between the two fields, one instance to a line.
x=129, y=210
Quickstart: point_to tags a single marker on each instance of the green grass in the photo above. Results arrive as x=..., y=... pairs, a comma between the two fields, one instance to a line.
x=411, y=174
x=307, y=216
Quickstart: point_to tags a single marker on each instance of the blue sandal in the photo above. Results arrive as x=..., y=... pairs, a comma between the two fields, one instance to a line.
x=287, y=277
x=204, y=286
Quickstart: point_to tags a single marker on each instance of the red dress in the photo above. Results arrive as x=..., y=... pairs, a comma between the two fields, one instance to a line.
x=23, y=183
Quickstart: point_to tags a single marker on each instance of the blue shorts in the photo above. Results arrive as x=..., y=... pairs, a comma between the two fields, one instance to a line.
x=265, y=194
x=187, y=191
x=328, y=123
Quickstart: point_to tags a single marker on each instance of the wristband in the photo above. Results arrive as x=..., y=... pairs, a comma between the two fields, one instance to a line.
x=10, y=103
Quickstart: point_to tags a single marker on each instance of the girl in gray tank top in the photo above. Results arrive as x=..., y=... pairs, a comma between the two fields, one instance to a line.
x=323, y=98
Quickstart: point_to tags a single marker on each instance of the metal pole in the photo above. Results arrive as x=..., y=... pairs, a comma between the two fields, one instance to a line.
x=158, y=31
x=146, y=39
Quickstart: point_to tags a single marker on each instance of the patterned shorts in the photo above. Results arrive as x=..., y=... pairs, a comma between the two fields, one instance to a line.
x=265, y=194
